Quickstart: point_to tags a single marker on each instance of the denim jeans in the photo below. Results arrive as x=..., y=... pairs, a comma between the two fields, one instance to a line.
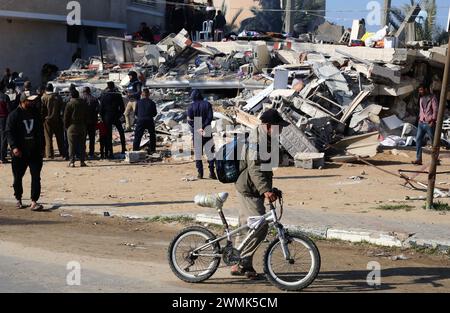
x=423, y=130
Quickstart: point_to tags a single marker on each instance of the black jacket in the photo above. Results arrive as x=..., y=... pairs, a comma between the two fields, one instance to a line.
x=145, y=110
x=111, y=105
x=25, y=131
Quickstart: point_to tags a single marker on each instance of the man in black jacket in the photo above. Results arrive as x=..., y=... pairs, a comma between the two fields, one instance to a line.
x=112, y=108
x=145, y=114
x=26, y=137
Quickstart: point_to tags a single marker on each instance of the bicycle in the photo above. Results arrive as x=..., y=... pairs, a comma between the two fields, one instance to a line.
x=195, y=253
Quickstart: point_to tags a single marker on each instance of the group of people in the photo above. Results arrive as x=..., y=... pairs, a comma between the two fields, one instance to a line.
x=30, y=124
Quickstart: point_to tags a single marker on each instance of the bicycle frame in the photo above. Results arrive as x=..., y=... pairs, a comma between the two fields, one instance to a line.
x=270, y=218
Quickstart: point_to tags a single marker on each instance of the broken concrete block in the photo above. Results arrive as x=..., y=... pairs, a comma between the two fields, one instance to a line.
x=295, y=141
x=310, y=160
x=135, y=156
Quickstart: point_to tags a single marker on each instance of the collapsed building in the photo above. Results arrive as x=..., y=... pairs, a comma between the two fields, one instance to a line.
x=343, y=101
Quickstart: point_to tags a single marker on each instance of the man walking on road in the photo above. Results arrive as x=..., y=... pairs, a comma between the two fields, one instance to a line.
x=75, y=121
x=26, y=136
x=93, y=106
x=4, y=112
x=112, y=108
x=145, y=114
x=429, y=106
x=255, y=185
x=52, y=105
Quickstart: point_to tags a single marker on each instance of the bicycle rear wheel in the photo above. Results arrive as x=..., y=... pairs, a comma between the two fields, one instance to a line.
x=299, y=272
x=187, y=266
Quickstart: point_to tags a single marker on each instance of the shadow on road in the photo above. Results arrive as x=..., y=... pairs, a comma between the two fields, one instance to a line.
x=121, y=205
x=18, y=222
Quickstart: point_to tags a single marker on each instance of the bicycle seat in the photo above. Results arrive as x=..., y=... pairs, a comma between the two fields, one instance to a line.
x=214, y=201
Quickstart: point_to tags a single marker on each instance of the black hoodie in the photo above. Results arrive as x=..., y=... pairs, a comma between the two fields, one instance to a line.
x=25, y=131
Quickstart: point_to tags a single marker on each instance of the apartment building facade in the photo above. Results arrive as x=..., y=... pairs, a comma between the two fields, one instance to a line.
x=36, y=32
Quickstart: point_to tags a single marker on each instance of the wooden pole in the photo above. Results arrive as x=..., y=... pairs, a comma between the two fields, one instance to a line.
x=438, y=133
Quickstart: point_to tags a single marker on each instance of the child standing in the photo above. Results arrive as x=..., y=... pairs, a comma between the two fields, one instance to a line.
x=101, y=127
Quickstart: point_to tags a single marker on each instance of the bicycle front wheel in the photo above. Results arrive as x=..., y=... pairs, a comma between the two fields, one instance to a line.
x=297, y=273
x=189, y=266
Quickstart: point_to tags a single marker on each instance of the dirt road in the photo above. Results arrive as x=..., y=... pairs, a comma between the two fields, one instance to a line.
x=120, y=255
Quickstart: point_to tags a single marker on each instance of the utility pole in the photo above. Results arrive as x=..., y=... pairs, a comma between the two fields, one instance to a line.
x=288, y=19
x=438, y=133
x=387, y=10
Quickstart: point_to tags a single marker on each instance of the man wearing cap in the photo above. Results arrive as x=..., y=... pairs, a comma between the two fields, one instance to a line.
x=255, y=183
x=134, y=91
x=25, y=137
x=52, y=106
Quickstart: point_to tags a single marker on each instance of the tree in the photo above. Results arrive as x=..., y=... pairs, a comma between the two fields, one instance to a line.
x=426, y=28
x=268, y=18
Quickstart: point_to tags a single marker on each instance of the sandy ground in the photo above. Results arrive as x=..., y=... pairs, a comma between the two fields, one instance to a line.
x=130, y=256
x=158, y=188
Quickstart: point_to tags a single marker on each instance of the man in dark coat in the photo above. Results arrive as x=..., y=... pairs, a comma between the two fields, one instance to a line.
x=145, y=114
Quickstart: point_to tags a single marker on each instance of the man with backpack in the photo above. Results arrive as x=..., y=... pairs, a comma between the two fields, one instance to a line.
x=255, y=183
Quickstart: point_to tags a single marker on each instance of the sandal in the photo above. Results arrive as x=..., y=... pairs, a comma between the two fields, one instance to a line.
x=38, y=208
x=20, y=206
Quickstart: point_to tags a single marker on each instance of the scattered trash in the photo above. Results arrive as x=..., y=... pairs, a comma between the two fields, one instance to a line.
x=400, y=257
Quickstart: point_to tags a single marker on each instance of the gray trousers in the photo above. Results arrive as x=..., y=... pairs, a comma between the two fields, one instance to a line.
x=251, y=207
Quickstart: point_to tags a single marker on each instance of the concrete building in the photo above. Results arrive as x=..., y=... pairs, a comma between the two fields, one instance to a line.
x=36, y=32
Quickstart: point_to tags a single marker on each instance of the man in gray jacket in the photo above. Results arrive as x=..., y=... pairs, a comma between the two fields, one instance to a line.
x=255, y=183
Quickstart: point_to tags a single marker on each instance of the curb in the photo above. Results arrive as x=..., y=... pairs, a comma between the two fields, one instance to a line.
x=385, y=239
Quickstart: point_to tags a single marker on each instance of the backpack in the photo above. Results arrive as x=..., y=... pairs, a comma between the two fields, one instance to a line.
x=228, y=162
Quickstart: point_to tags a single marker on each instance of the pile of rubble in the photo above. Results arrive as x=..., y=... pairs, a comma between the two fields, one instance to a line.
x=343, y=101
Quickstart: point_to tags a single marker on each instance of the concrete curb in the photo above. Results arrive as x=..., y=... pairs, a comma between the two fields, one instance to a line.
x=386, y=239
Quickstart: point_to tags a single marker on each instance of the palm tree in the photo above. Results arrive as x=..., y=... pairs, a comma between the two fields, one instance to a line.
x=426, y=28
x=231, y=26
x=265, y=20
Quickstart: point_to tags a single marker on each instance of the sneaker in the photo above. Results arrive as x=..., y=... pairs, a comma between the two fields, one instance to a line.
x=213, y=176
x=83, y=164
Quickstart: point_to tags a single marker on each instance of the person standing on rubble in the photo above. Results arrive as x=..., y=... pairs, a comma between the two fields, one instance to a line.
x=111, y=110
x=93, y=107
x=145, y=114
x=428, y=113
x=200, y=116
x=75, y=121
x=255, y=184
x=52, y=105
x=26, y=136
x=134, y=91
